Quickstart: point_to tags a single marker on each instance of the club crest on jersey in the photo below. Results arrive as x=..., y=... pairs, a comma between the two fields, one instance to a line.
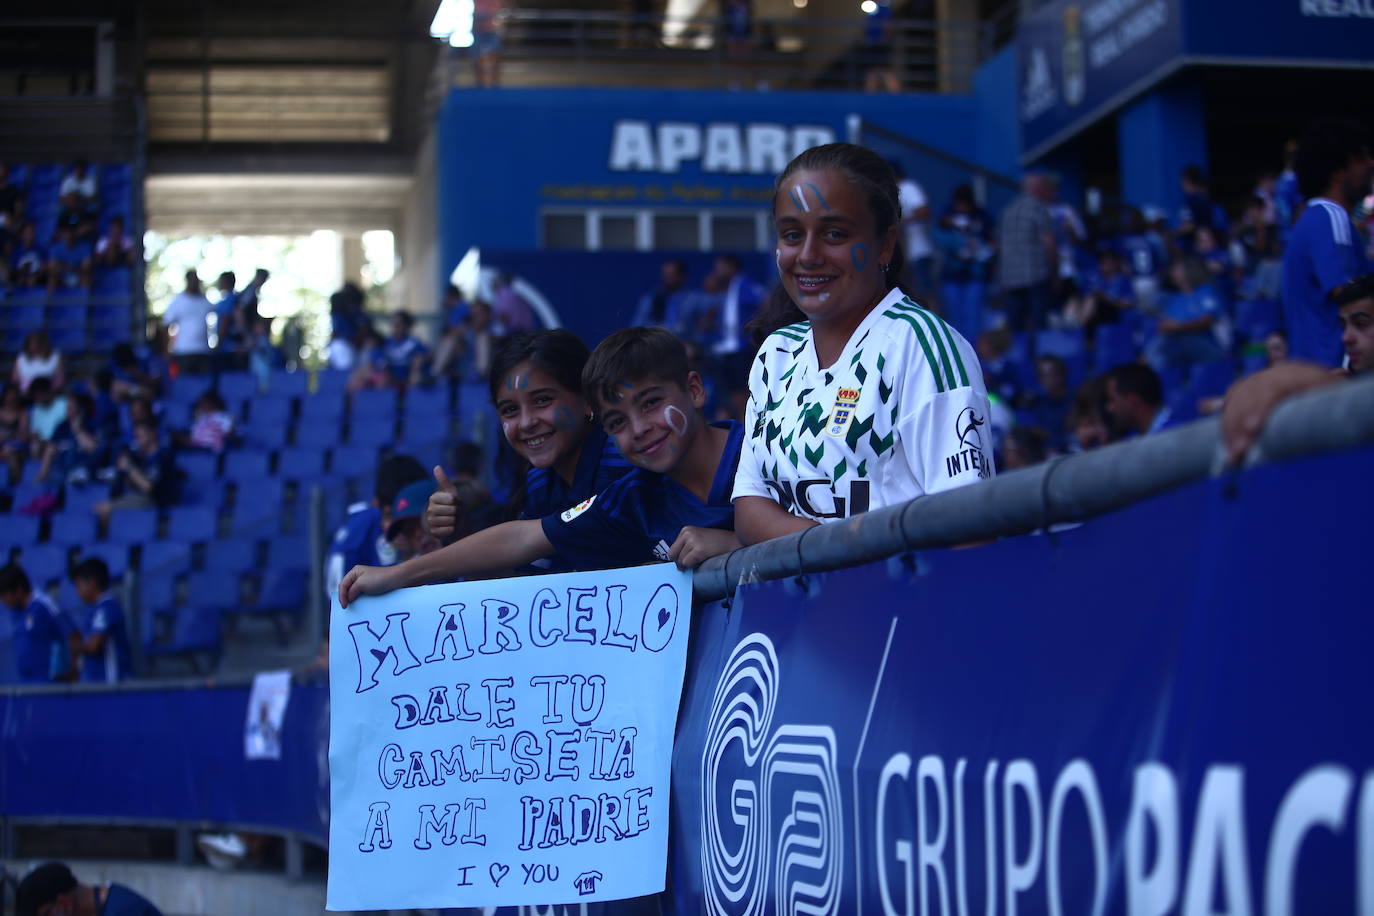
x=846, y=399
x=578, y=509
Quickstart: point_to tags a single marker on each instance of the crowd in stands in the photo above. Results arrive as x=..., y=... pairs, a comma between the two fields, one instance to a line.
x=725, y=416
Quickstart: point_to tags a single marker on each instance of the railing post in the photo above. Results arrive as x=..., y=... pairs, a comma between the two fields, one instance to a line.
x=295, y=858
x=314, y=602
x=186, y=845
x=135, y=618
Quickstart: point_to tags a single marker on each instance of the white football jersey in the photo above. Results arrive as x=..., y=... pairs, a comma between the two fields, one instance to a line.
x=903, y=412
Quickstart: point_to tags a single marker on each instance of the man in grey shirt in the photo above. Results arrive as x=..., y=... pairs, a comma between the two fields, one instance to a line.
x=1027, y=255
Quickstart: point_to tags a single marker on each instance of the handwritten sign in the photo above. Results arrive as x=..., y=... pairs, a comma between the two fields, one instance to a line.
x=505, y=742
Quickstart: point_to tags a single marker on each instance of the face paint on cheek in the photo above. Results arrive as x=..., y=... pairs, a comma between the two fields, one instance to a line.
x=676, y=419
x=508, y=428
x=859, y=256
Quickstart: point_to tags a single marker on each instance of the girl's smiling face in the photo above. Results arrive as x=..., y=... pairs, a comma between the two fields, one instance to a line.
x=830, y=257
x=543, y=421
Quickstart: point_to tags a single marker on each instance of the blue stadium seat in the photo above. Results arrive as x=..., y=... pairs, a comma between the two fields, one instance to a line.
x=176, y=414
x=157, y=595
x=323, y=406
x=198, y=465
x=31, y=469
x=373, y=403
x=84, y=498
x=246, y=465
x=428, y=403
x=71, y=313
x=73, y=529
x=289, y=551
x=26, y=492
x=301, y=463
x=318, y=434
x=132, y=526
x=1063, y=342
x=48, y=175
x=288, y=384
x=186, y=389
x=191, y=523
x=164, y=559
x=355, y=462
x=68, y=298
x=256, y=505
x=265, y=435
x=237, y=407
x=116, y=557
x=113, y=173
x=18, y=531
x=218, y=588
x=69, y=339
x=370, y=433
x=233, y=555
x=417, y=429
x=270, y=409
x=237, y=385
x=44, y=563
x=112, y=282
x=207, y=493
x=195, y=630
x=331, y=381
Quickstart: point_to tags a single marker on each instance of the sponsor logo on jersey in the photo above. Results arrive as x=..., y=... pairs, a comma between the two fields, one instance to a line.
x=661, y=549
x=570, y=514
x=846, y=399
x=970, y=455
x=818, y=498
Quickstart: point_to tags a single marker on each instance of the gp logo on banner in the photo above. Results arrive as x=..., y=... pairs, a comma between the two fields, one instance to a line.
x=787, y=804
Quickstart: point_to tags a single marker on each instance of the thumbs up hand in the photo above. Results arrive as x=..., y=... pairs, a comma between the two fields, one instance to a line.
x=441, y=515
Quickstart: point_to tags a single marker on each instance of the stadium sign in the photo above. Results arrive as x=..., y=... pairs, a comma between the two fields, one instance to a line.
x=720, y=148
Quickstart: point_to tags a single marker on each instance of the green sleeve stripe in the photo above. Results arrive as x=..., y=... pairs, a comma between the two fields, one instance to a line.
x=925, y=345
x=790, y=336
x=938, y=327
x=939, y=344
x=958, y=360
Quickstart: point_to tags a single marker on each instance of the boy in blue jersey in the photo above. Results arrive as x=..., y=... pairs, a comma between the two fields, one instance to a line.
x=675, y=504
x=51, y=889
x=1324, y=249
x=40, y=632
x=102, y=643
x=362, y=539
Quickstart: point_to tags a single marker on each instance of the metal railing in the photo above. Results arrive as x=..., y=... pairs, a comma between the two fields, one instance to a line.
x=603, y=48
x=1069, y=489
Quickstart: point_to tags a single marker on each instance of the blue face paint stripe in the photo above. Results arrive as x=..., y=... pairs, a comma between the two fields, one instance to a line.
x=795, y=193
x=859, y=255
x=820, y=197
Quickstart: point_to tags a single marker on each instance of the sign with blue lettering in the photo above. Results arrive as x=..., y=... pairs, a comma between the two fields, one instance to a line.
x=505, y=742
x=1078, y=60
x=1157, y=712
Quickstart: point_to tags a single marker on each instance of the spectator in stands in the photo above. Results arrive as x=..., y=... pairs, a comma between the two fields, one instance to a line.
x=370, y=370
x=1023, y=447
x=877, y=51
x=51, y=889
x=1001, y=375
x=456, y=312
x=1275, y=348
x=77, y=193
x=1103, y=295
x=916, y=246
x=1069, y=237
x=37, y=359
x=1251, y=400
x=720, y=330
x=860, y=398
x=1135, y=401
x=130, y=376
x=248, y=302
x=212, y=426
x=1262, y=269
x=346, y=315
x=1143, y=252
x=115, y=248
x=1048, y=407
x=1288, y=199
x=511, y=312
x=403, y=352
x=187, y=317
x=673, y=506
x=965, y=239
x=1199, y=212
x=667, y=306
x=69, y=261
x=147, y=476
x=536, y=388
x=406, y=531
x=1027, y=255
x=361, y=539
x=102, y=643
x=76, y=451
x=48, y=409
x=14, y=431
x=1087, y=419
x=488, y=22
x=263, y=355
x=1324, y=250
x=40, y=633
x=28, y=259
x=1186, y=332
x=228, y=332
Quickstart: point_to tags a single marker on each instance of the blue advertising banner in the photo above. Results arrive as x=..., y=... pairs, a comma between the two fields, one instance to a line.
x=505, y=742
x=1078, y=60
x=1164, y=710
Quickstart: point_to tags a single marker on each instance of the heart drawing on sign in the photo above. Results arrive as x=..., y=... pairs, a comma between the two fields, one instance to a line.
x=663, y=616
x=498, y=872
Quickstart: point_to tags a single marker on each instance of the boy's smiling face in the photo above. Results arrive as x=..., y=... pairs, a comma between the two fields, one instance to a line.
x=654, y=421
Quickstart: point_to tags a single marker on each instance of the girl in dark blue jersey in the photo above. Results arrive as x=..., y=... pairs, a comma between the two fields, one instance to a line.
x=536, y=388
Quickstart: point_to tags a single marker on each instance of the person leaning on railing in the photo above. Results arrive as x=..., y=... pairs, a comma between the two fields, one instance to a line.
x=859, y=397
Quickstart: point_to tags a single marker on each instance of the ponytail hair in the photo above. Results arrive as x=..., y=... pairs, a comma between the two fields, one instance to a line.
x=877, y=181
